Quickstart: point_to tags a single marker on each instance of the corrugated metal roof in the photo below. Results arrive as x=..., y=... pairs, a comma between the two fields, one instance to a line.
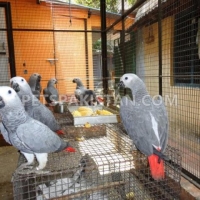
x=145, y=9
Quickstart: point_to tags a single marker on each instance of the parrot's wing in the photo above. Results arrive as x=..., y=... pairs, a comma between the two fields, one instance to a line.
x=160, y=114
x=4, y=133
x=53, y=92
x=37, y=137
x=78, y=93
x=44, y=115
x=138, y=124
x=45, y=91
x=31, y=83
x=90, y=93
x=36, y=93
x=47, y=95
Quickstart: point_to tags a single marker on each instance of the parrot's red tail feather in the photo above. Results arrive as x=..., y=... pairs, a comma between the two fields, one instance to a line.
x=156, y=167
x=70, y=149
x=60, y=132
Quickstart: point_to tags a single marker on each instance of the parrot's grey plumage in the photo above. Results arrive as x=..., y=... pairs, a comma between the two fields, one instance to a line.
x=84, y=95
x=32, y=105
x=34, y=83
x=145, y=118
x=28, y=135
x=50, y=92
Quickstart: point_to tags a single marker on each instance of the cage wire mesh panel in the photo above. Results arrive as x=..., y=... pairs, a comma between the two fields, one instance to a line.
x=179, y=71
x=4, y=51
x=182, y=86
x=103, y=167
x=60, y=40
x=63, y=40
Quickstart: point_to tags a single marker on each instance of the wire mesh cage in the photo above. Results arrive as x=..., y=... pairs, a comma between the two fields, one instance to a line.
x=103, y=167
x=162, y=47
x=156, y=39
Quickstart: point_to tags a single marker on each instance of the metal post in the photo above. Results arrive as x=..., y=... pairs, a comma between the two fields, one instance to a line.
x=104, y=48
x=86, y=55
x=122, y=42
x=160, y=46
x=10, y=39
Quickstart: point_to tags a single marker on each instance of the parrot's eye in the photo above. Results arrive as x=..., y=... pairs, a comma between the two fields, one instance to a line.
x=22, y=79
x=9, y=91
x=126, y=78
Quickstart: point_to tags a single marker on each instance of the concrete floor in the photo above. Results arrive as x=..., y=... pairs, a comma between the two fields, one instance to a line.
x=8, y=162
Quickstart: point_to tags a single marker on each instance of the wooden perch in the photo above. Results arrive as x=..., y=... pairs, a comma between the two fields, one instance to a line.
x=90, y=190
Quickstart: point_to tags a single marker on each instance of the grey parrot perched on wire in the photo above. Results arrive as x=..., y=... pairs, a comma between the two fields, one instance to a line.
x=50, y=92
x=28, y=135
x=33, y=106
x=84, y=95
x=34, y=83
x=146, y=122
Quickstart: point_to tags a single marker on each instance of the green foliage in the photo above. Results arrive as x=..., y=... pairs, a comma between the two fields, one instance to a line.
x=89, y=3
x=131, y=2
x=111, y=4
x=97, y=45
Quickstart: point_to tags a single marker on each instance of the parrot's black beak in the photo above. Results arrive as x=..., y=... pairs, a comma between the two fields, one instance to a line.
x=15, y=86
x=74, y=81
x=121, y=84
x=39, y=78
x=2, y=104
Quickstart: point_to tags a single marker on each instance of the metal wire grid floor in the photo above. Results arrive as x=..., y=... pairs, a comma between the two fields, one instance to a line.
x=112, y=170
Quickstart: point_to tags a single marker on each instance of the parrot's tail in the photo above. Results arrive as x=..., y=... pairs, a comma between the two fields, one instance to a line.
x=60, y=132
x=156, y=167
x=70, y=149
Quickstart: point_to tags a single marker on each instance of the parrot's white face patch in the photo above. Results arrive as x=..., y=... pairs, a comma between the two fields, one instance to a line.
x=35, y=76
x=24, y=87
x=53, y=80
x=8, y=96
x=128, y=79
x=20, y=80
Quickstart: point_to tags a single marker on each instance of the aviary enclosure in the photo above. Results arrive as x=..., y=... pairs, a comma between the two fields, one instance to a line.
x=159, y=40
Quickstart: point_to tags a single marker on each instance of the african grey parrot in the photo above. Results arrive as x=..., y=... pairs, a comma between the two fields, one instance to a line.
x=85, y=96
x=146, y=122
x=34, y=83
x=33, y=106
x=50, y=92
x=28, y=135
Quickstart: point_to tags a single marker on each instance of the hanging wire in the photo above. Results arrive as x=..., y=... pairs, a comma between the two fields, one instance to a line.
x=70, y=17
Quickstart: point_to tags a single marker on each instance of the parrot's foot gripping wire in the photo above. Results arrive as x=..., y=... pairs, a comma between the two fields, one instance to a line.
x=24, y=166
x=41, y=171
x=24, y=169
